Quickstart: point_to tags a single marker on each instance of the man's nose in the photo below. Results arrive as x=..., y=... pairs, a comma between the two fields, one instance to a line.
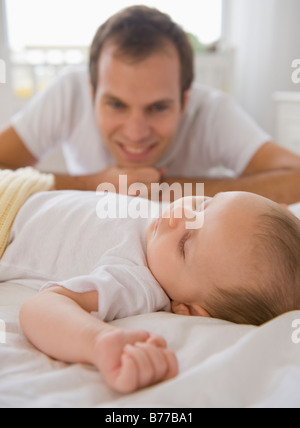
x=136, y=128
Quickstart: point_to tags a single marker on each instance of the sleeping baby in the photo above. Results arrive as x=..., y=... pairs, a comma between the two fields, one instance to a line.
x=240, y=264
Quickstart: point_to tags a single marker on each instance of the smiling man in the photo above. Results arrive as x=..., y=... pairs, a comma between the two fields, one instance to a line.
x=138, y=113
x=139, y=120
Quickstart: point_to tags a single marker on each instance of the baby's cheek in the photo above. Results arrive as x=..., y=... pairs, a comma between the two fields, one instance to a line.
x=156, y=263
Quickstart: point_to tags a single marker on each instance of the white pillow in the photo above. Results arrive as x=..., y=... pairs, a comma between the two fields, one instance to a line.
x=295, y=208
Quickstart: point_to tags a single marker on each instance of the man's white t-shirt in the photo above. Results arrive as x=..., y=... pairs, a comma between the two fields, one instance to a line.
x=59, y=238
x=214, y=131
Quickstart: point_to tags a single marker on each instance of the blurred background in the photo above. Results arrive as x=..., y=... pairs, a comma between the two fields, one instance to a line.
x=246, y=48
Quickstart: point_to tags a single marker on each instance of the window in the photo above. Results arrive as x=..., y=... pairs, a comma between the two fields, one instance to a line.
x=74, y=22
x=45, y=36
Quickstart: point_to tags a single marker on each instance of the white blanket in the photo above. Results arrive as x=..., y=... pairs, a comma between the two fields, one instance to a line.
x=221, y=364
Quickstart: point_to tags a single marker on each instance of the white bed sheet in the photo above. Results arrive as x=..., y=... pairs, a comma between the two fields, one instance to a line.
x=221, y=364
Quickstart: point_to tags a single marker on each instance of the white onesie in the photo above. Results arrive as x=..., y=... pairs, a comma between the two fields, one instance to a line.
x=58, y=238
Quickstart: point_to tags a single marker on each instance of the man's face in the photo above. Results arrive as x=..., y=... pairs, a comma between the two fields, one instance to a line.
x=138, y=105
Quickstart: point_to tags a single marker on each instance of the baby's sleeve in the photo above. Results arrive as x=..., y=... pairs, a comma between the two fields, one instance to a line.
x=123, y=291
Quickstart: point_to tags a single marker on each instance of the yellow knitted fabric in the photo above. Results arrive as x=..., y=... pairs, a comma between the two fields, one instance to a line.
x=15, y=189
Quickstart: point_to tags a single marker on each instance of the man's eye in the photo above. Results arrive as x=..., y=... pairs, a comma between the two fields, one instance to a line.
x=116, y=105
x=158, y=108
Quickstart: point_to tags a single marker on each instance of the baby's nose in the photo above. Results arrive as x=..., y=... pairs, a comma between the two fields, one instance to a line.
x=174, y=217
x=178, y=214
x=192, y=219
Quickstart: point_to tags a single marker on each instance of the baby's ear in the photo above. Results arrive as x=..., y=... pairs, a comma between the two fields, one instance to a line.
x=180, y=308
x=189, y=310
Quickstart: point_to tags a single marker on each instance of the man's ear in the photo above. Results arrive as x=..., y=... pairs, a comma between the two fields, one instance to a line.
x=185, y=101
x=189, y=310
x=92, y=90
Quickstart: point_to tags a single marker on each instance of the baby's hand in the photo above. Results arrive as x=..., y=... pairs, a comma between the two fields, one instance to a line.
x=132, y=359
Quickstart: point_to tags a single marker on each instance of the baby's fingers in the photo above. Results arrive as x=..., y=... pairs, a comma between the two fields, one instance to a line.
x=156, y=340
x=173, y=368
x=153, y=363
x=128, y=378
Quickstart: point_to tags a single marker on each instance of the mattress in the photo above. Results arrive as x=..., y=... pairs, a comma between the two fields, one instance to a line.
x=221, y=364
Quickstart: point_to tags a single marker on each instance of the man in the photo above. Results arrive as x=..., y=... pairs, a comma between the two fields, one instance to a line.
x=138, y=114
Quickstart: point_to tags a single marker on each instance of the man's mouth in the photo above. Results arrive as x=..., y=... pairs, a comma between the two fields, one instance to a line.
x=136, y=153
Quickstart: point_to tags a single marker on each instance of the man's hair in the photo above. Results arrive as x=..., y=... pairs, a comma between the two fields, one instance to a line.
x=274, y=284
x=138, y=32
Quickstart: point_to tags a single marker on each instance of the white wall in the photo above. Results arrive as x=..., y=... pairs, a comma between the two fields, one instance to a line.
x=266, y=34
x=5, y=89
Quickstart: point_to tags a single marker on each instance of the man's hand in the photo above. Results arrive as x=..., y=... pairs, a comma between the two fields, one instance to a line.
x=132, y=359
x=145, y=175
x=134, y=176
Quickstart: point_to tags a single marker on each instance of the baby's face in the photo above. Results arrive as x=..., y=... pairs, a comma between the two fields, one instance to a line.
x=187, y=262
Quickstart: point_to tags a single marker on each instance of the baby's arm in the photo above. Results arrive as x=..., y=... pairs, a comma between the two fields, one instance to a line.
x=58, y=322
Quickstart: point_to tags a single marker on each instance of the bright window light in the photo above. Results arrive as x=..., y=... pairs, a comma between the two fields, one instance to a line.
x=74, y=22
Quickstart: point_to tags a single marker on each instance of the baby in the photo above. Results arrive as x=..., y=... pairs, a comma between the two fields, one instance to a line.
x=240, y=264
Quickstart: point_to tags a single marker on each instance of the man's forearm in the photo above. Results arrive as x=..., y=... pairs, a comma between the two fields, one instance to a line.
x=70, y=182
x=63, y=181
x=66, y=182
x=282, y=186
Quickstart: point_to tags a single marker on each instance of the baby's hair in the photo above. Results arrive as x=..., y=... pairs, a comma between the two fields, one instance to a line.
x=274, y=284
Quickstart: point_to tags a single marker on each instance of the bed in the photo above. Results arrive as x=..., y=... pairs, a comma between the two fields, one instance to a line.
x=221, y=364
